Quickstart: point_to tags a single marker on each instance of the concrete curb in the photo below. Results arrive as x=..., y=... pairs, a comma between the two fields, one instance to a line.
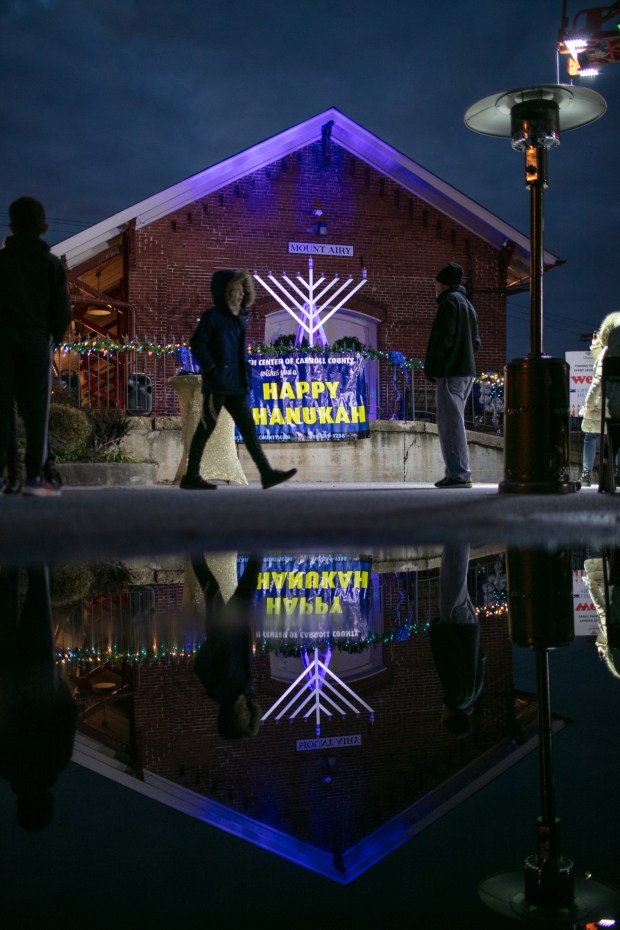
x=108, y=474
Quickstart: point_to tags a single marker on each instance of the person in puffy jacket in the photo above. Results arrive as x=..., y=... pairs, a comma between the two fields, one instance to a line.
x=591, y=410
x=219, y=347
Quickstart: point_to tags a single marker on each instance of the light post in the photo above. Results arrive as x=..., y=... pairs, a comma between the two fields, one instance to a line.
x=545, y=889
x=536, y=397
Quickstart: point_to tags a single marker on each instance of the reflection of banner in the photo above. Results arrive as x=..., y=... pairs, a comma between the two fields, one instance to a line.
x=312, y=397
x=313, y=598
x=584, y=611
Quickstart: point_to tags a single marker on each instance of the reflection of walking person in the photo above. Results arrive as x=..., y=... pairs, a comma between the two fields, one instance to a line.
x=34, y=314
x=223, y=662
x=219, y=347
x=449, y=362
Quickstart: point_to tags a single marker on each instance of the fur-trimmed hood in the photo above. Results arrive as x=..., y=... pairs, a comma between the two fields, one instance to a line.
x=611, y=321
x=224, y=278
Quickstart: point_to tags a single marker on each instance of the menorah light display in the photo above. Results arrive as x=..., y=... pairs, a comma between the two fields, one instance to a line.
x=318, y=690
x=309, y=304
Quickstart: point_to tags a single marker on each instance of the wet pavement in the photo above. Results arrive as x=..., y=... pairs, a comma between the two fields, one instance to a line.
x=400, y=823
x=86, y=523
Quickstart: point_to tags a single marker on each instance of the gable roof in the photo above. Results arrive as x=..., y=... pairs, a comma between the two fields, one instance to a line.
x=350, y=136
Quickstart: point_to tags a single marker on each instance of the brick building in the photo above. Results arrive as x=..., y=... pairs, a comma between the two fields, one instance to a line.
x=323, y=801
x=326, y=182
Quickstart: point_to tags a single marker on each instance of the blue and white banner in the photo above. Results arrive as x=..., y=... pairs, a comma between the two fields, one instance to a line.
x=301, y=398
x=314, y=598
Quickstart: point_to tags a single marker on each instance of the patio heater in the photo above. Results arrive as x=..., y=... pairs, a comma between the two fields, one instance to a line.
x=546, y=889
x=536, y=396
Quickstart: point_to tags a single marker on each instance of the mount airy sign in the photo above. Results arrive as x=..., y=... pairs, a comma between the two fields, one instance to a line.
x=320, y=248
x=328, y=742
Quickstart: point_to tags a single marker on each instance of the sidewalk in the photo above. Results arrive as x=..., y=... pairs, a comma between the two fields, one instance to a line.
x=122, y=522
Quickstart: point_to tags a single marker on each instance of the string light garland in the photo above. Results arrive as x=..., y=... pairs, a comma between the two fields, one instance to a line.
x=290, y=649
x=104, y=346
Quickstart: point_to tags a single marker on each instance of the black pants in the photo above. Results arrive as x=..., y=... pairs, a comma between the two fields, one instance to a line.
x=239, y=409
x=25, y=377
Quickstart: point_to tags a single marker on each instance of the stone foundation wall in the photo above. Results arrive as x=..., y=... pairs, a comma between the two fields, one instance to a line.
x=395, y=451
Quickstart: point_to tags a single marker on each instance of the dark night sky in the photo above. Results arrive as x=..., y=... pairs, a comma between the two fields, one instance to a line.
x=107, y=102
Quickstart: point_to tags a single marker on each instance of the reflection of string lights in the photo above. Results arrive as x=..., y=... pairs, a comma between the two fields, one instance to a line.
x=96, y=657
x=287, y=648
x=491, y=613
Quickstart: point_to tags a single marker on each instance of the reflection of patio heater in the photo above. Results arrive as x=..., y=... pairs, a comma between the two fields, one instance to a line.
x=536, y=435
x=545, y=889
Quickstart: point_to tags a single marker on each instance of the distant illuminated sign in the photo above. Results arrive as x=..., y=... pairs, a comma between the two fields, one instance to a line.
x=320, y=248
x=584, y=609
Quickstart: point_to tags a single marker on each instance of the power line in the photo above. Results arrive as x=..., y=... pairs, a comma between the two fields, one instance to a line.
x=55, y=220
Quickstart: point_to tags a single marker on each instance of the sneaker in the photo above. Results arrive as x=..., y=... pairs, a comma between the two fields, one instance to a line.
x=50, y=473
x=586, y=479
x=196, y=483
x=277, y=477
x=39, y=487
x=11, y=486
x=449, y=482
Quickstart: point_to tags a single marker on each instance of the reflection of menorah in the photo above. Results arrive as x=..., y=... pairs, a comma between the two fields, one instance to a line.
x=323, y=697
x=309, y=310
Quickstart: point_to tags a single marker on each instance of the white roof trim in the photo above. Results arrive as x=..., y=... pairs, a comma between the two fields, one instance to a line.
x=347, y=134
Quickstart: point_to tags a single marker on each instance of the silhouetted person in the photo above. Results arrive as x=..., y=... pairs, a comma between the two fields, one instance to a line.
x=455, y=642
x=13, y=483
x=38, y=715
x=35, y=312
x=223, y=662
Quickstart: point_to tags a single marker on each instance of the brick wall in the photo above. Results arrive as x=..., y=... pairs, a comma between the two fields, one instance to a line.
x=248, y=224
x=403, y=755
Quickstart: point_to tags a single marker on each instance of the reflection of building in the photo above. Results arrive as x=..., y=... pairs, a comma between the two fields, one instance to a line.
x=147, y=268
x=323, y=800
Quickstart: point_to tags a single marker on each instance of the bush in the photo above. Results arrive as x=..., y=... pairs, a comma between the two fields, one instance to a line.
x=108, y=429
x=69, y=432
x=70, y=583
x=348, y=344
x=95, y=436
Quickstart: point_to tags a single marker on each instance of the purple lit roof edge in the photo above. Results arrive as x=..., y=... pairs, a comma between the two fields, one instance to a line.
x=346, y=133
x=356, y=860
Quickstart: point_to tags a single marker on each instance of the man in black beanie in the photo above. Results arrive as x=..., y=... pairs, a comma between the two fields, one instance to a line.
x=450, y=364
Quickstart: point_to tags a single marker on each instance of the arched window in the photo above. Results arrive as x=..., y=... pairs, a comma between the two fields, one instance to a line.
x=344, y=323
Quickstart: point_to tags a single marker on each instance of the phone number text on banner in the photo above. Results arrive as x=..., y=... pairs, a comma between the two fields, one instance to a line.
x=308, y=398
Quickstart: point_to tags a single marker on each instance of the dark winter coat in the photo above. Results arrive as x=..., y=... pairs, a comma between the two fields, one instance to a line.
x=223, y=662
x=219, y=343
x=33, y=288
x=454, y=338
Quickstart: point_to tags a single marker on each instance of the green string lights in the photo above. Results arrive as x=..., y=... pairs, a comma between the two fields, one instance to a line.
x=94, y=657
x=104, y=346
